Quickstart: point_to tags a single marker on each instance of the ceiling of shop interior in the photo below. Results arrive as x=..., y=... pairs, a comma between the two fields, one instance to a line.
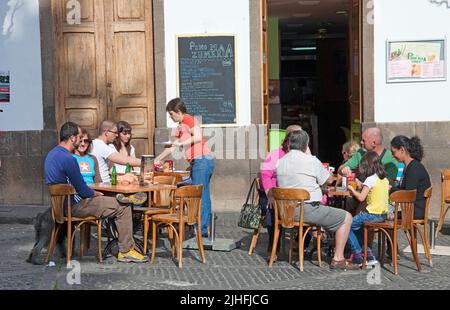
x=303, y=19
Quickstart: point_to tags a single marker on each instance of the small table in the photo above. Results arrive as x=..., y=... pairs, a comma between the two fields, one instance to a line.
x=126, y=189
x=340, y=195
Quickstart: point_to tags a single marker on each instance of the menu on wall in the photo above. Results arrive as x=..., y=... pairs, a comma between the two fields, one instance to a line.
x=416, y=60
x=207, y=77
x=5, y=87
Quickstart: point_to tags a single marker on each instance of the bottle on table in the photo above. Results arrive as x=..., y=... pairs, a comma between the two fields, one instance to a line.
x=114, y=176
x=127, y=168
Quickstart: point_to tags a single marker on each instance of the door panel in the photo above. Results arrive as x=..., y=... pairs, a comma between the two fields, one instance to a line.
x=80, y=66
x=129, y=46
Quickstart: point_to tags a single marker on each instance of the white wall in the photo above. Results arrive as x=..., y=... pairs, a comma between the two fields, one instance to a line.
x=418, y=101
x=20, y=53
x=183, y=17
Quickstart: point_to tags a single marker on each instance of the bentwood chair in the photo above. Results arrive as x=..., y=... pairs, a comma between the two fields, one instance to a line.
x=188, y=213
x=404, y=202
x=445, y=199
x=424, y=224
x=161, y=203
x=286, y=200
x=59, y=193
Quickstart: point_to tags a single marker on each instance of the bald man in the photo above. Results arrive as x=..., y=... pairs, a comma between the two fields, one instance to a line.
x=372, y=140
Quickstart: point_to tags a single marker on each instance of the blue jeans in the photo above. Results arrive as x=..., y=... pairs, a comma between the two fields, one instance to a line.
x=201, y=171
x=355, y=236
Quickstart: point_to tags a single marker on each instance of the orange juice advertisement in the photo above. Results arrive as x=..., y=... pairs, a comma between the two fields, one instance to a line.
x=420, y=60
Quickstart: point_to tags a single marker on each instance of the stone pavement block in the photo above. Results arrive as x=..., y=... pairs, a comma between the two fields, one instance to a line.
x=234, y=270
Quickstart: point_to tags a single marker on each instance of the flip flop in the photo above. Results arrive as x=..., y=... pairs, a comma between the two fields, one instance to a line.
x=343, y=264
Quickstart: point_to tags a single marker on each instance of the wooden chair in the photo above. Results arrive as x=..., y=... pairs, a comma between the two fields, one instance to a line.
x=160, y=204
x=404, y=202
x=59, y=193
x=424, y=224
x=285, y=202
x=188, y=213
x=445, y=199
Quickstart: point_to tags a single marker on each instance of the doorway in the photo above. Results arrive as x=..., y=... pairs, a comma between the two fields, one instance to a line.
x=316, y=67
x=104, y=67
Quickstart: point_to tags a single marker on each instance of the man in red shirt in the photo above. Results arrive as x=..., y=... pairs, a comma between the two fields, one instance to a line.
x=190, y=138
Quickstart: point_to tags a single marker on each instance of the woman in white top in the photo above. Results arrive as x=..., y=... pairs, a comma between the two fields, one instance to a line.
x=122, y=143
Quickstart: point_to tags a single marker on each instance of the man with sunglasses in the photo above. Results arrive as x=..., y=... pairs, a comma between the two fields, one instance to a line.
x=107, y=155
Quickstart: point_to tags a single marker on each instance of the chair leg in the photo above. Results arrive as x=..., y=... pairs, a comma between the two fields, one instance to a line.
x=426, y=243
x=153, y=242
x=99, y=240
x=291, y=243
x=394, y=253
x=145, y=236
x=52, y=243
x=442, y=215
x=319, y=241
x=301, y=245
x=383, y=247
x=70, y=239
x=180, y=244
x=274, y=246
x=198, y=235
x=413, y=245
x=283, y=242
x=254, y=240
x=365, y=247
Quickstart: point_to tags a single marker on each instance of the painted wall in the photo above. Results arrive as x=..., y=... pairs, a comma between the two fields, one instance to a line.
x=410, y=102
x=183, y=17
x=20, y=53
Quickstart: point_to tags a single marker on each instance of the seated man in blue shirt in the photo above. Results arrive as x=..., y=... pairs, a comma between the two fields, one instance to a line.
x=62, y=168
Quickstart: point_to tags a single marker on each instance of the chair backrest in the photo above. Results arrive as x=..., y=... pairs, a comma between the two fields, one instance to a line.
x=163, y=198
x=58, y=194
x=190, y=198
x=445, y=185
x=427, y=194
x=286, y=200
x=404, y=202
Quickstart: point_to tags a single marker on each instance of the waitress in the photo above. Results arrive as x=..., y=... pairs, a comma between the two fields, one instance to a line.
x=190, y=137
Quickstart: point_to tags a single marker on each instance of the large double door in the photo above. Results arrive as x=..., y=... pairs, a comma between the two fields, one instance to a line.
x=104, y=66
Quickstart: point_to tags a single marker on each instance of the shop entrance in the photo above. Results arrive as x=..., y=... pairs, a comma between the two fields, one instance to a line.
x=314, y=71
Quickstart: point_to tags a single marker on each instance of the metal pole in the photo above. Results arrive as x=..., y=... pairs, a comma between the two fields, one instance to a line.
x=213, y=227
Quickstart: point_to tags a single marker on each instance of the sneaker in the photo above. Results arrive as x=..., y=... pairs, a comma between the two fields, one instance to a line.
x=132, y=256
x=357, y=259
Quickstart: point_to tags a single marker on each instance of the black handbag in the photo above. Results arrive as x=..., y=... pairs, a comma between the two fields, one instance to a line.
x=250, y=216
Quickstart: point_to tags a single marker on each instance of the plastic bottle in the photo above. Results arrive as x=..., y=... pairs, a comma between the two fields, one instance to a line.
x=344, y=182
x=128, y=168
x=114, y=176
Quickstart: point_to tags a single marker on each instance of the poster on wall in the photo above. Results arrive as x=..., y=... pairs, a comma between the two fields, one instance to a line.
x=207, y=77
x=4, y=87
x=416, y=61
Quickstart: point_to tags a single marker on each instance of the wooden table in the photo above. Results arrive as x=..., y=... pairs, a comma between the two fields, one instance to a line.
x=341, y=196
x=107, y=188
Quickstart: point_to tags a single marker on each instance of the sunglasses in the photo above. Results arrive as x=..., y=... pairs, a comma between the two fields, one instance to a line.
x=87, y=141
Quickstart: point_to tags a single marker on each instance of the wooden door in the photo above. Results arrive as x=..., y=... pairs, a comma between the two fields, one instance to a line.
x=129, y=71
x=355, y=69
x=104, y=67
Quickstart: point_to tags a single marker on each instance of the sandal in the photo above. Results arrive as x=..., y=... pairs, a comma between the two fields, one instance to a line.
x=343, y=264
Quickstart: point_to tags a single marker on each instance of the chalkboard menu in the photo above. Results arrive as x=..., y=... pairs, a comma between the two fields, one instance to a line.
x=207, y=77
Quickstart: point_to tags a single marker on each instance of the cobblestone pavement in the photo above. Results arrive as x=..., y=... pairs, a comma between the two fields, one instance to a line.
x=233, y=270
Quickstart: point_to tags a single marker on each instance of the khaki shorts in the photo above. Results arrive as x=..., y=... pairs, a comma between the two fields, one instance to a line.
x=327, y=217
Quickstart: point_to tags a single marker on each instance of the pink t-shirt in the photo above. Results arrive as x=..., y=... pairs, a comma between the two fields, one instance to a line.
x=268, y=169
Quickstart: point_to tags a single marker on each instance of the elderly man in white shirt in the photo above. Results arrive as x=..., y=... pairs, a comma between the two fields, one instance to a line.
x=300, y=170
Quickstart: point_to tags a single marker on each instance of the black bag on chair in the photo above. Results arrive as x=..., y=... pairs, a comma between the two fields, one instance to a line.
x=250, y=216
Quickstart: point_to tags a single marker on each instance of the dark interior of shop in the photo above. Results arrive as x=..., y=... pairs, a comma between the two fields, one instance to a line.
x=314, y=72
